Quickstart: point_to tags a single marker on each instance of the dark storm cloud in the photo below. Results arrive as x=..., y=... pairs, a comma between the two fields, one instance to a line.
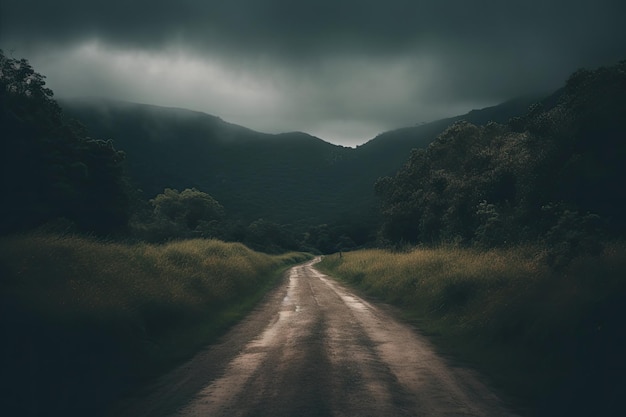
x=444, y=54
x=297, y=27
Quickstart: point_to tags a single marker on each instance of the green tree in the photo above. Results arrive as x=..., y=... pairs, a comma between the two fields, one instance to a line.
x=488, y=184
x=189, y=207
x=50, y=169
x=176, y=215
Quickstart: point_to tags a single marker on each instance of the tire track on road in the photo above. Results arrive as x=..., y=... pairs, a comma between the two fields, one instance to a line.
x=313, y=348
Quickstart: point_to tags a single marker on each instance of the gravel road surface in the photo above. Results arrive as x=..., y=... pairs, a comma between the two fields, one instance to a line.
x=313, y=348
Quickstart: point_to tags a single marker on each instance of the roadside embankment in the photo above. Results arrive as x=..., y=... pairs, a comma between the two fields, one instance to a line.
x=552, y=341
x=84, y=322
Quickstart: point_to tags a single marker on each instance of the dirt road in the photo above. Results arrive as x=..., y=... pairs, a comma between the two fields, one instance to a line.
x=315, y=349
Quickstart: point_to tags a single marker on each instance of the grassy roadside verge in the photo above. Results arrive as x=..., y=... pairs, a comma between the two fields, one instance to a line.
x=84, y=321
x=552, y=342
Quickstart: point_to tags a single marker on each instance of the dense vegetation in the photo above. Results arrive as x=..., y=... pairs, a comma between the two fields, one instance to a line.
x=555, y=174
x=50, y=168
x=84, y=321
x=551, y=341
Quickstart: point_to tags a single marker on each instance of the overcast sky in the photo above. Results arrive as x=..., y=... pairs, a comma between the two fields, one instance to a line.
x=343, y=70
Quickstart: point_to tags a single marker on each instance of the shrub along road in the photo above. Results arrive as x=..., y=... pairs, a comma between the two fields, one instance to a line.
x=315, y=349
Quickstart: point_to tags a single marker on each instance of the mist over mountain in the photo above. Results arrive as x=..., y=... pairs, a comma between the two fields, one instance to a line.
x=290, y=178
x=343, y=70
x=254, y=175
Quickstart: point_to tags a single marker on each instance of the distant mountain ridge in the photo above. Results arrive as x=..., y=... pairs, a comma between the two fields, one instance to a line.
x=393, y=147
x=252, y=174
x=289, y=178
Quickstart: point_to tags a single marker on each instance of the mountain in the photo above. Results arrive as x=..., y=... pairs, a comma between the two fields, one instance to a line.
x=290, y=178
x=286, y=178
x=391, y=149
x=555, y=174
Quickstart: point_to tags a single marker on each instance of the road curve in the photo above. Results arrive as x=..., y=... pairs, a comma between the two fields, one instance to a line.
x=315, y=349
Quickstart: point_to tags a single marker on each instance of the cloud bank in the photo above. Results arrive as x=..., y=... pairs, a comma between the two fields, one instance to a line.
x=342, y=70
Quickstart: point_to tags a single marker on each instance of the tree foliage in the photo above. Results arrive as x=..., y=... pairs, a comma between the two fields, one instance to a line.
x=50, y=168
x=181, y=214
x=559, y=166
x=189, y=208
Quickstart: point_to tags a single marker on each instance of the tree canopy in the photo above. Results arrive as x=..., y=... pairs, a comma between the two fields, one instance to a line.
x=50, y=168
x=189, y=208
x=561, y=163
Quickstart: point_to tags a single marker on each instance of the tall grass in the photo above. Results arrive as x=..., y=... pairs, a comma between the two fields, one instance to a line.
x=553, y=340
x=81, y=316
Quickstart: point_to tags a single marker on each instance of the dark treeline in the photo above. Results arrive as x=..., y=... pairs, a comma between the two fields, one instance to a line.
x=50, y=168
x=555, y=175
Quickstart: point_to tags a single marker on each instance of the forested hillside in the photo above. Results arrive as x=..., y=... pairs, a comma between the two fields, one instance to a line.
x=555, y=174
x=254, y=175
x=389, y=150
